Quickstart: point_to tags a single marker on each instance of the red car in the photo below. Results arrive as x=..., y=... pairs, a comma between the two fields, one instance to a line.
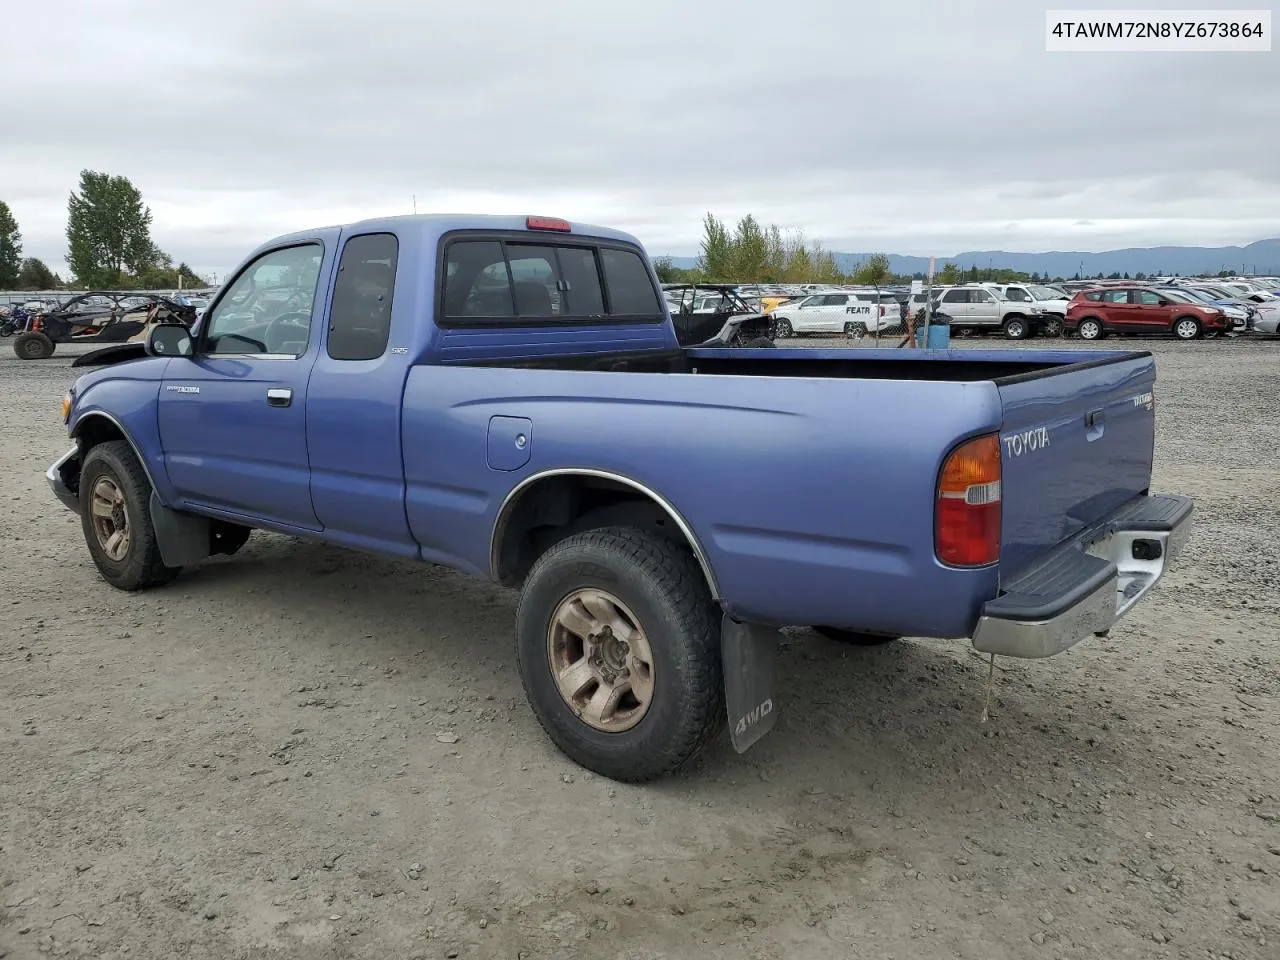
x=1092, y=314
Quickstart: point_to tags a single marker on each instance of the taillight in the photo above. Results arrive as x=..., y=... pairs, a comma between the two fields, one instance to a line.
x=967, y=514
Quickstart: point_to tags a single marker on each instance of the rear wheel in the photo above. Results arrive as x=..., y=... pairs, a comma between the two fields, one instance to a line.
x=854, y=637
x=1090, y=328
x=116, y=518
x=33, y=345
x=784, y=329
x=1186, y=328
x=855, y=331
x=619, y=651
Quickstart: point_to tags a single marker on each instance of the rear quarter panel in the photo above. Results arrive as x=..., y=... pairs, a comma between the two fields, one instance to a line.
x=809, y=511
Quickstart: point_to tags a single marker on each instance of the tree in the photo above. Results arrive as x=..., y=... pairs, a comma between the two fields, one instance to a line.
x=10, y=248
x=875, y=271
x=949, y=275
x=36, y=275
x=664, y=267
x=108, y=231
x=717, y=249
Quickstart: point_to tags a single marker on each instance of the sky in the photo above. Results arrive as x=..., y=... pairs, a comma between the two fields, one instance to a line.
x=908, y=127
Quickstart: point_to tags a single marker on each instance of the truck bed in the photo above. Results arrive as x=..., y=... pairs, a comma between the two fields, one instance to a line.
x=949, y=366
x=832, y=467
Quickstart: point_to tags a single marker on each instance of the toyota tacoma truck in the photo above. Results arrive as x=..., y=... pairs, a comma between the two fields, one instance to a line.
x=506, y=396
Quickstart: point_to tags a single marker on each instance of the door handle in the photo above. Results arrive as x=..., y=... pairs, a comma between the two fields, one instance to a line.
x=279, y=397
x=1095, y=422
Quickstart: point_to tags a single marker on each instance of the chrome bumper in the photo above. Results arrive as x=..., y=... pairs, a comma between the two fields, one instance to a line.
x=54, y=476
x=1089, y=584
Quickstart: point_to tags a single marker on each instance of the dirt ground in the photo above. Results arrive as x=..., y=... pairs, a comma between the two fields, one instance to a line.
x=305, y=753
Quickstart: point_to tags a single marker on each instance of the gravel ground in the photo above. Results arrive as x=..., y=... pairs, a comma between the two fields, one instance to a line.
x=307, y=753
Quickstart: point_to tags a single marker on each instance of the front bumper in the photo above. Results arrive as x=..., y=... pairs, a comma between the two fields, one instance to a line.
x=56, y=477
x=1085, y=586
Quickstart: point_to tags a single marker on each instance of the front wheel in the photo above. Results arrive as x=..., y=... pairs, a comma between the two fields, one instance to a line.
x=1090, y=329
x=33, y=345
x=1051, y=326
x=619, y=651
x=1186, y=328
x=1015, y=328
x=115, y=516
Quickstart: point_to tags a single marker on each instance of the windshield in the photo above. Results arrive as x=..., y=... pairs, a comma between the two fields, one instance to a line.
x=1045, y=293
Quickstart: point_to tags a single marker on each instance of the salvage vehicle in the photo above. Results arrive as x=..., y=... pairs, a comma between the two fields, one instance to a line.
x=715, y=314
x=97, y=317
x=662, y=510
x=854, y=314
x=1093, y=314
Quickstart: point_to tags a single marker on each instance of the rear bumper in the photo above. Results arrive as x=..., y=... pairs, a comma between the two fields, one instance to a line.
x=1089, y=583
x=55, y=476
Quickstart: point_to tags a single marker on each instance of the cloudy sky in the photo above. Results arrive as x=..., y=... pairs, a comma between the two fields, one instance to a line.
x=912, y=127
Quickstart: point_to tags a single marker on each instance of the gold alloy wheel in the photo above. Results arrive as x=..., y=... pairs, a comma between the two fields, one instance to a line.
x=110, y=520
x=601, y=660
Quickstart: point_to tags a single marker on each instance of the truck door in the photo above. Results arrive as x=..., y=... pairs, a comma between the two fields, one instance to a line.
x=231, y=416
x=353, y=406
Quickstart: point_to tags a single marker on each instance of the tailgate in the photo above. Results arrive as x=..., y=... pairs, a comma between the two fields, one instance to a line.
x=1076, y=443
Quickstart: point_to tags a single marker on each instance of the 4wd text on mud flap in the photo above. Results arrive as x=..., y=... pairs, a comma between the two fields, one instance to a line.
x=754, y=716
x=1028, y=441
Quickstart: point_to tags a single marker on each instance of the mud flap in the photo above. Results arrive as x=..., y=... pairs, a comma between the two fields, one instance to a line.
x=183, y=538
x=747, y=651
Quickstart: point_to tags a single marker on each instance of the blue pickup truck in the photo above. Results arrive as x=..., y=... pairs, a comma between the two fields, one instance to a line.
x=506, y=396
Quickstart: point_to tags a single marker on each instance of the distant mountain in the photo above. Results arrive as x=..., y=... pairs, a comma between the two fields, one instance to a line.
x=1262, y=257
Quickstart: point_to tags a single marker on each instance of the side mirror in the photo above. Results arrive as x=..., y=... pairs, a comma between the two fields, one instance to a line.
x=169, y=340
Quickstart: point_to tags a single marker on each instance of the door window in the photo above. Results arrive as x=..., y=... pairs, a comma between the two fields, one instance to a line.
x=360, y=317
x=267, y=308
x=1014, y=293
x=956, y=296
x=1116, y=296
x=981, y=296
x=1149, y=299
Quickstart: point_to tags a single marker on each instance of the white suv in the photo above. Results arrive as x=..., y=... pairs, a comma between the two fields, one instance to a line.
x=1052, y=304
x=853, y=313
x=980, y=308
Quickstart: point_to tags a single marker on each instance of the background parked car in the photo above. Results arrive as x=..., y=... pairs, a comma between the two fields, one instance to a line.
x=1095, y=313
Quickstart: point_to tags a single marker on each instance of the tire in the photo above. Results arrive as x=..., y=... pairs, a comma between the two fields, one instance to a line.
x=1186, y=328
x=659, y=585
x=1017, y=328
x=1051, y=326
x=113, y=478
x=33, y=345
x=855, y=331
x=1090, y=328
x=784, y=329
x=855, y=637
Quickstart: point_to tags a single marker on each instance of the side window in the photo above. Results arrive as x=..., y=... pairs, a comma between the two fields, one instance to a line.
x=360, y=317
x=980, y=296
x=1015, y=293
x=1150, y=299
x=1116, y=296
x=956, y=296
x=267, y=308
x=1095, y=296
x=630, y=287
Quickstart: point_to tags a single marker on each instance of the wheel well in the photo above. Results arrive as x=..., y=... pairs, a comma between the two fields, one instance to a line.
x=93, y=430
x=554, y=507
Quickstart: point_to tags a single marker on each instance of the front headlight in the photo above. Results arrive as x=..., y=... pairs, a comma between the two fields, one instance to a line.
x=68, y=399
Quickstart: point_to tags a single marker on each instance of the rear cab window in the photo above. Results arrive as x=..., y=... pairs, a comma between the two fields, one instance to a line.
x=529, y=278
